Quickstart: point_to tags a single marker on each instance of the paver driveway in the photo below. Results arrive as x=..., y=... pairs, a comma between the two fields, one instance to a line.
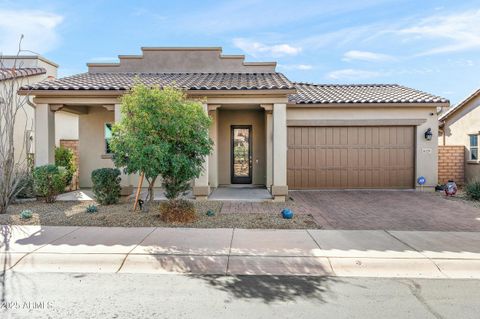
x=394, y=210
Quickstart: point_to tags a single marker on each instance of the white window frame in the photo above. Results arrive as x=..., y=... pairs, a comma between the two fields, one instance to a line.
x=106, y=152
x=473, y=147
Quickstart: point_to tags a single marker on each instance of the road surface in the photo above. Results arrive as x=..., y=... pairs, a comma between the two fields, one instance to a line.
x=69, y=295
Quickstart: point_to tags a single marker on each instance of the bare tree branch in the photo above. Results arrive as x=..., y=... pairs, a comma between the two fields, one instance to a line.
x=13, y=162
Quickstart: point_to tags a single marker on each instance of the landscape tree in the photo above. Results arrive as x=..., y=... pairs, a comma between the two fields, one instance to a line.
x=161, y=133
x=13, y=168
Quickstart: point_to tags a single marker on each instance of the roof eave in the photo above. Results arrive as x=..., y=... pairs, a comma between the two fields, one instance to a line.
x=373, y=105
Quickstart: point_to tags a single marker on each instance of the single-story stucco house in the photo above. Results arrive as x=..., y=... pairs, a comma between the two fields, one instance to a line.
x=25, y=70
x=460, y=126
x=267, y=129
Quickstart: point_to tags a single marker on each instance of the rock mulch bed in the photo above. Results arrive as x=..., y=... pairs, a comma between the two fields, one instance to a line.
x=74, y=214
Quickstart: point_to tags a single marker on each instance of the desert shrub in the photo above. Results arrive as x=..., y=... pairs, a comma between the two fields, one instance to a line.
x=26, y=214
x=473, y=190
x=91, y=209
x=64, y=157
x=49, y=181
x=178, y=211
x=106, y=185
x=25, y=187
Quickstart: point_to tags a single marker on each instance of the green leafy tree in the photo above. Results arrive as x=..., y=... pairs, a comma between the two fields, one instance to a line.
x=162, y=133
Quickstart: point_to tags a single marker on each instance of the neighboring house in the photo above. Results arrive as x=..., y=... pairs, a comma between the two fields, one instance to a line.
x=460, y=125
x=29, y=70
x=267, y=130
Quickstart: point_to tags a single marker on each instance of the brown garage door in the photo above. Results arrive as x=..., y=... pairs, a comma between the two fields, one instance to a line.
x=350, y=157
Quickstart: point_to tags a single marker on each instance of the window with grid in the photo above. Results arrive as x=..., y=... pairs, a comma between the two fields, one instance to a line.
x=108, y=136
x=474, y=147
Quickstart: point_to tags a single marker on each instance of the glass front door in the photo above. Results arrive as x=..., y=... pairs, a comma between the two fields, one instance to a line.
x=241, y=154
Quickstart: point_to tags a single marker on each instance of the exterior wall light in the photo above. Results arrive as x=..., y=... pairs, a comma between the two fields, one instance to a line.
x=428, y=134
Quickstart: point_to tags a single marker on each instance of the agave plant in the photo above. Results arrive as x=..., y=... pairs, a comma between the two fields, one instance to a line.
x=92, y=208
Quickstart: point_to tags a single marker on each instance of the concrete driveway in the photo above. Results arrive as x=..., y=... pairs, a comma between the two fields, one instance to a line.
x=382, y=209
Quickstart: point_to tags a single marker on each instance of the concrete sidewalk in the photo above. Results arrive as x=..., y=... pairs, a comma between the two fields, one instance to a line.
x=377, y=253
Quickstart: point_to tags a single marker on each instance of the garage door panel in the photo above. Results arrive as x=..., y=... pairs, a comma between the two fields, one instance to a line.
x=350, y=157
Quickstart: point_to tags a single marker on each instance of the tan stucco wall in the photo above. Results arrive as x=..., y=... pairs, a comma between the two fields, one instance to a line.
x=92, y=147
x=66, y=127
x=426, y=151
x=457, y=128
x=226, y=119
x=182, y=60
x=91, y=142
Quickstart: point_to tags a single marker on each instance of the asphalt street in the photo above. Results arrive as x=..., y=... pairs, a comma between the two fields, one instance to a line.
x=71, y=295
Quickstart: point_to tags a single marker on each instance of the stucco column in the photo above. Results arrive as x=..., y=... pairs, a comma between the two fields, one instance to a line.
x=268, y=147
x=213, y=158
x=279, y=187
x=201, y=188
x=126, y=182
x=44, y=135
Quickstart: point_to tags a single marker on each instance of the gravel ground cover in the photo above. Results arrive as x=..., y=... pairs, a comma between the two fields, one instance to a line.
x=74, y=213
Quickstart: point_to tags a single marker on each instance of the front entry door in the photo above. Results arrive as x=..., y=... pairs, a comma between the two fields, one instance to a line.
x=241, y=154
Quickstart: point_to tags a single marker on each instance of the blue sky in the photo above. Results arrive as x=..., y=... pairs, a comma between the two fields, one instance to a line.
x=429, y=45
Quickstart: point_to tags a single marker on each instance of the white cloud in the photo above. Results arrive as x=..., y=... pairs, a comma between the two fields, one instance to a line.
x=459, y=31
x=258, y=49
x=302, y=67
x=38, y=27
x=367, y=56
x=352, y=74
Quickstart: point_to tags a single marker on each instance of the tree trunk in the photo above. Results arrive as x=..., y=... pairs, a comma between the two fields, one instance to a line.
x=150, y=195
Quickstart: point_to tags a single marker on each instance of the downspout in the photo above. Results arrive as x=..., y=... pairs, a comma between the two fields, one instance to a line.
x=444, y=140
x=30, y=102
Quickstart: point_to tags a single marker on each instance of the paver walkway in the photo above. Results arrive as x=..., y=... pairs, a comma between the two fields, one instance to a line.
x=241, y=251
x=393, y=210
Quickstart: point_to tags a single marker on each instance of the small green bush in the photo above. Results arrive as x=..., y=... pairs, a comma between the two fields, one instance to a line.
x=25, y=187
x=49, y=181
x=106, y=185
x=92, y=209
x=64, y=157
x=26, y=214
x=473, y=190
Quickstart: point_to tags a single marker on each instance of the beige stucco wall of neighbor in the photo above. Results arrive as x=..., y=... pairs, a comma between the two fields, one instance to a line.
x=25, y=117
x=91, y=142
x=457, y=128
x=227, y=118
x=426, y=151
x=66, y=124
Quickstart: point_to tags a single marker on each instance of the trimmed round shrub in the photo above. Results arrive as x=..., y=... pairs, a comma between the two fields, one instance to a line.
x=49, y=181
x=64, y=157
x=178, y=211
x=106, y=185
x=473, y=190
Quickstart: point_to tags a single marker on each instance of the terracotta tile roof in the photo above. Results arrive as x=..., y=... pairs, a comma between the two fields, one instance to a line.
x=190, y=81
x=7, y=73
x=360, y=93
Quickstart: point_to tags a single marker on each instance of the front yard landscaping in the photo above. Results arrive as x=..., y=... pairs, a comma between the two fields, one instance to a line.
x=74, y=213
